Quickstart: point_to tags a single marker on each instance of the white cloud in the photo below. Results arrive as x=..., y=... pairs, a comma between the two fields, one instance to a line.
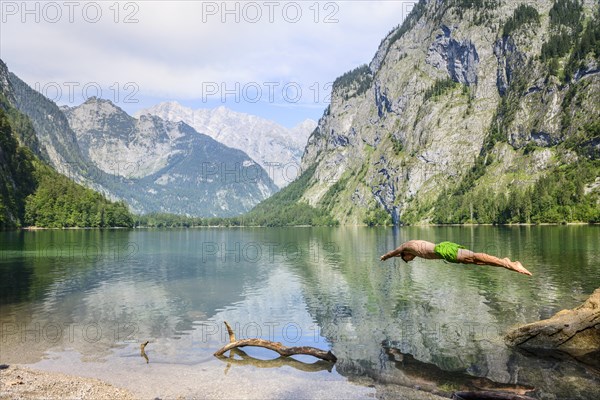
x=176, y=46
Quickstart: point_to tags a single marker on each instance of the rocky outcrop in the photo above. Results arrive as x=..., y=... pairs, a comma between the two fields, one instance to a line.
x=384, y=105
x=440, y=85
x=170, y=167
x=459, y=59
x=55, y=142
x=510, y=59
x=575, y=331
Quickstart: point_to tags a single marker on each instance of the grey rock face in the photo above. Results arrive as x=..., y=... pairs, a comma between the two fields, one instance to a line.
x=460, y=59
x=398, y=149
x=591, y=68
x=277, y=149
x=168, y=165
x=55, y=141
x=509, y=59
x=384, y=104
x=542, y=139
x=375, y=64
x=154, y=165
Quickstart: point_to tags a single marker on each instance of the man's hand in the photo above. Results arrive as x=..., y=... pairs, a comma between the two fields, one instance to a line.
x=406, y=256
x=390, y=254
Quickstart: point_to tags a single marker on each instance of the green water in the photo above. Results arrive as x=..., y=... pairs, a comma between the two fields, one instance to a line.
x=438, y=326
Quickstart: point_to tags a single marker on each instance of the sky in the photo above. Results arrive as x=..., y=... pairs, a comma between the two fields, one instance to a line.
x=274, y=59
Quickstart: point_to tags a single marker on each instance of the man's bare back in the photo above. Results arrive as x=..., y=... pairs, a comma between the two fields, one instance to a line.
x=453, y=253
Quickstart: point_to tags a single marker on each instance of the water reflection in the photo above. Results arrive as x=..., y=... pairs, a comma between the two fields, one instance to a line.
x=100, y=291
x=238, y=357
x=448, y=316
x=404, y=369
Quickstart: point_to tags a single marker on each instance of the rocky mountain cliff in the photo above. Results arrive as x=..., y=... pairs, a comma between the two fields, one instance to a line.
x=171, y=167
x=34, y=194
x=52, y=138
x=465, y=102
x=277, y=149
x=154, y=165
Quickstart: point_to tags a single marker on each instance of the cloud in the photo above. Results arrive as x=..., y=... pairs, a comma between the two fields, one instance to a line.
x=171, y=49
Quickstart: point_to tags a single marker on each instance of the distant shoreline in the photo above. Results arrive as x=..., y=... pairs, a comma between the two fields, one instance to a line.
x=39, y=228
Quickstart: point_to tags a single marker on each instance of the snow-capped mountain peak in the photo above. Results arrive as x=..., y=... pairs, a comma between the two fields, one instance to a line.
x=271, y=145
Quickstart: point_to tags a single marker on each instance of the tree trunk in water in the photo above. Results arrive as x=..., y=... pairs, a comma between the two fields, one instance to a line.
x=575, y=331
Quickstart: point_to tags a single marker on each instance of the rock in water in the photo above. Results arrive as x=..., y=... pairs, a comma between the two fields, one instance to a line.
x=575, y=331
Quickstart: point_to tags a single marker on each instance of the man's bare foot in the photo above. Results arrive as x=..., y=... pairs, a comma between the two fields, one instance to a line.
x=517, y=267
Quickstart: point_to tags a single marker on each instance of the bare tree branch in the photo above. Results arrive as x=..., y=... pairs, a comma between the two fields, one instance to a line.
x=275, y=346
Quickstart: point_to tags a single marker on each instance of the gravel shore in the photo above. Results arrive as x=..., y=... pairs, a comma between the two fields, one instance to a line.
x=22, y=383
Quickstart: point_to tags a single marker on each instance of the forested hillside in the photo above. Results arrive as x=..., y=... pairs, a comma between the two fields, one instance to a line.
x=33, y=194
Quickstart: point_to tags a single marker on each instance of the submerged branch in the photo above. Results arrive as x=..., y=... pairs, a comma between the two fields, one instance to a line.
x=275, y=346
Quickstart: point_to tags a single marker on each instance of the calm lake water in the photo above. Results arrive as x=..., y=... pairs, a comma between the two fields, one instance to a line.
x=81, y=301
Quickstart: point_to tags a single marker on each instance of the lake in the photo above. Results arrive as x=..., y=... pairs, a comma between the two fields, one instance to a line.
x=82, y=301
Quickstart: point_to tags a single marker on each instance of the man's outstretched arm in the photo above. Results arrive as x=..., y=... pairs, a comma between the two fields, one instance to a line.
x=408, y=251
x=393, y=253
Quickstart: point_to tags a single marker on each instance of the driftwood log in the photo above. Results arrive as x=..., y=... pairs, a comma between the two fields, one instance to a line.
x=575, y=331
x=275, y=346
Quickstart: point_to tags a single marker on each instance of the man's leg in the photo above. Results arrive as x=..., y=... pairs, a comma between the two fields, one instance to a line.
x=468, y=257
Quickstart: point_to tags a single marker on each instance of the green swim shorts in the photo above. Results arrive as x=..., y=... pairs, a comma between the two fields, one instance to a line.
x=448, y=251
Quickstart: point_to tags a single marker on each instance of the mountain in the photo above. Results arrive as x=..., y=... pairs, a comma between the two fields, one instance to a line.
x=153, y=165
x=170, y=166
x=471, y=111
x=51, y=138
x=277, y=149
x=34, y=194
